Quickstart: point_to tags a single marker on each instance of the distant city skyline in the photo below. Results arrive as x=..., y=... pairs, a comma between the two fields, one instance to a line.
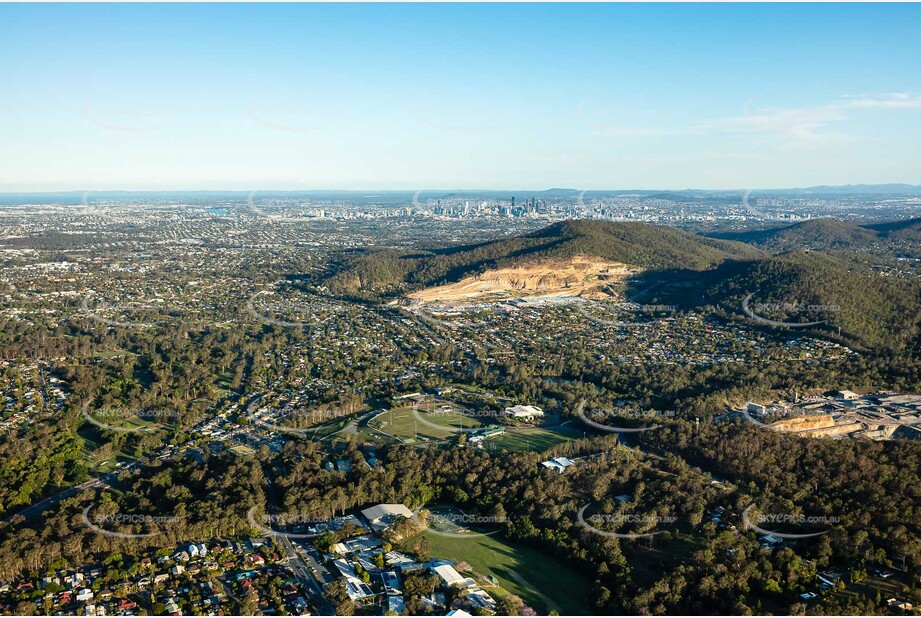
x=464, y=97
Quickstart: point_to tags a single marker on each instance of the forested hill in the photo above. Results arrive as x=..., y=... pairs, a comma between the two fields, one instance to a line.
x=871, y=311
x=636, y=244
x=824, y=234
x=909, y=230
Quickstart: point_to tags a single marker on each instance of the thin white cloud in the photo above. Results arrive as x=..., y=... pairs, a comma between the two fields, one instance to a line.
x=811, y=123
x=803, y=121
x=807, y=121
x=894, y=100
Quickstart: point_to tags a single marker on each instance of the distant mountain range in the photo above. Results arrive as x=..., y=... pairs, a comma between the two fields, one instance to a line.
x=406, y=195
x=882, y=189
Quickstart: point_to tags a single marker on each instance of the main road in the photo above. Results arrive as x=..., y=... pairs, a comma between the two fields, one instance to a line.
x=297, y=564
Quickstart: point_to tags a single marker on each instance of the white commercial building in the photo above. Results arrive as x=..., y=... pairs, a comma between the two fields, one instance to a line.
x=557, y=463
x=382, y=515
x=451, y=577
x=524, y=412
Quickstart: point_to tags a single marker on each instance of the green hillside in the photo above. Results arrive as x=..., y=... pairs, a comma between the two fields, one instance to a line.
x=871, y=311
x=817, y=234
x=866, y=309
x=637, y=244
x=828, y=234
x=904, y=237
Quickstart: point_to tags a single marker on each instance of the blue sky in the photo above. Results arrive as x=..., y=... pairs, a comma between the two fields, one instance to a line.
x=236, y=96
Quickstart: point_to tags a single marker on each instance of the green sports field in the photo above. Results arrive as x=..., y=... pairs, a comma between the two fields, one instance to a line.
x=428, y=421
x=540, y=580
x=531, y=439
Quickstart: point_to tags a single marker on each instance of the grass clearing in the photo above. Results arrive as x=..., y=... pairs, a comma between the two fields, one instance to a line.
x=327, y=429
x=542, y=581
x=100, y=462
x=873, y=584
x=531, y=439
x=243, y=450
x=650, y=563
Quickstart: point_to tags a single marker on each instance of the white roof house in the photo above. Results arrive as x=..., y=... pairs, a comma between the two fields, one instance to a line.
x=354, y=587
x=395, y=603
x=526, y=412
x=893, y=602
x=395, y=558
x=480, y=598
x=357, y=589
x=391, y=583
x=383, y=515
x=770, y=538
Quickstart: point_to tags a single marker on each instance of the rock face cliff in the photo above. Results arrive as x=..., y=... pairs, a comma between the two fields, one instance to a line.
x=821, y=426
x=803, y=423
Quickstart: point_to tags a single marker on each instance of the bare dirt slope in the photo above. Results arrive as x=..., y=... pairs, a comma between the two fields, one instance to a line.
x=576, y=276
